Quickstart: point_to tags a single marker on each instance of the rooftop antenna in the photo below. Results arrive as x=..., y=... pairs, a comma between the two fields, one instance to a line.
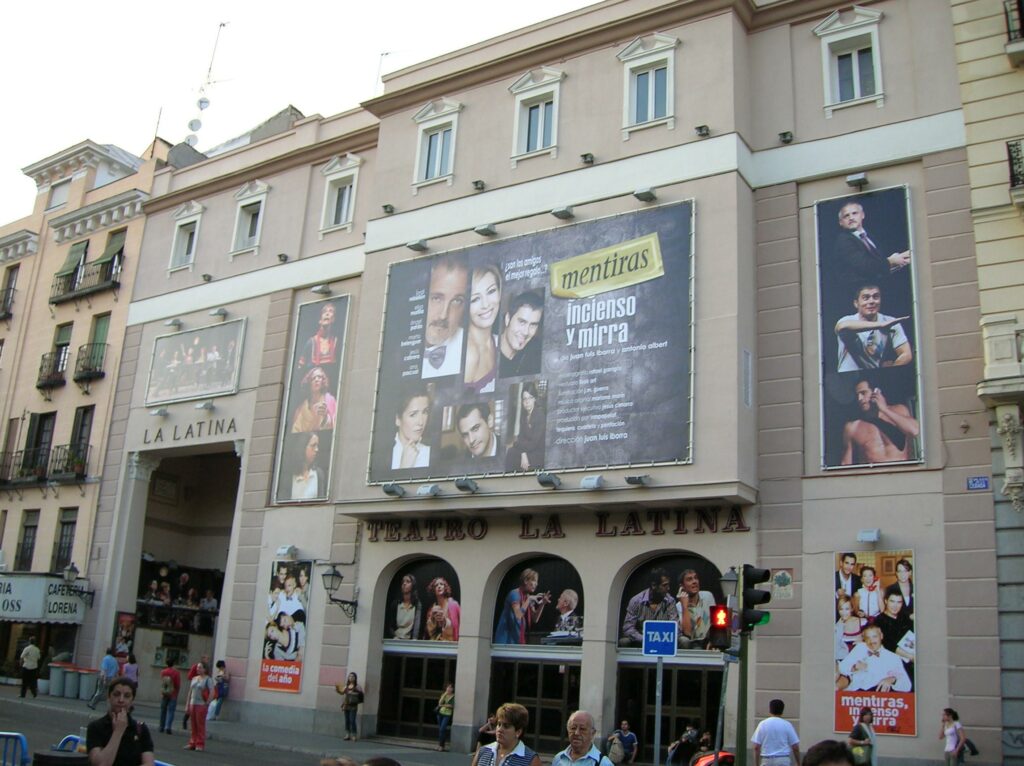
x=203, y=102
x=378, y=86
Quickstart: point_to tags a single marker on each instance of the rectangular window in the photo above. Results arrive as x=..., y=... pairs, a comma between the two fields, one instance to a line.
x=62, y=346
x=438, y=153
x=184, y=244
x=81, y=432
x=7, y=297
x=651, y=94
x=539, y=124
x=247, y=234
x=64, y=542
x=27, y=543
x=855, y=74
x=58, y=194
x=342, y=203
x=850, y=58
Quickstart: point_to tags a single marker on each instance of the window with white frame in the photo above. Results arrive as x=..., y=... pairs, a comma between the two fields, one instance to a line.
x=850, y=59
x=648, y=83
x=186, y=235
x=58, y=194
x=252, y=198
x=435, y=151
x=535, y=130
x=340, y=175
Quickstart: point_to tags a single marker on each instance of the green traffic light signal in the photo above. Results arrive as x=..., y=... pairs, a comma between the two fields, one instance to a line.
x=752, y=597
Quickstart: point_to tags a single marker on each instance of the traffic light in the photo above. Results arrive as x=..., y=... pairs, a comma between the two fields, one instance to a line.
x=720, y=634
x=752, y=597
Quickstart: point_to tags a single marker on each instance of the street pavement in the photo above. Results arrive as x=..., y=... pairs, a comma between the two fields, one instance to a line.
x=45, y=720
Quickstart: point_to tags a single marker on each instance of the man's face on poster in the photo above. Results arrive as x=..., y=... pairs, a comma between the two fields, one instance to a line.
x=851, y=216
x=477, y=432
x=848, y=563
x=522, y=326
x=446, y=302
x=864, y=394
x=893, y=604
x=873, y=637
x=868, y=303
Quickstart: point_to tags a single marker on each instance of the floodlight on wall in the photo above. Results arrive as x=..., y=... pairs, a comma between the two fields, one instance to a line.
x=159, y=412
x=467, y=485
x=486, y=230
x=428, y=490
x=645, y=195
x=388, y=208
x=549, y=480
x=592, y=482
x=289, y=552
x=641, y=480
x=702, y=130
x=207, y=405
x=587, y=158
x=786, y=136
x=394, y=490
x=207, y=277
x=173, y=322
x=857, y=180
x=282, y=257
x=320, y=289
x=70, y=575
x=419, y=245
x=332, y=580
x=871, y=536
x=220, y=313
x=563, y=213
x=479, y=185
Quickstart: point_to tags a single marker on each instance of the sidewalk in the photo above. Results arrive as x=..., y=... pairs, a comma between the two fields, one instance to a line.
x=406, y=752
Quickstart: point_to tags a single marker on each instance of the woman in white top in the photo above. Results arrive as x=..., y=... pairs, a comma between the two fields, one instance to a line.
x=953, y=732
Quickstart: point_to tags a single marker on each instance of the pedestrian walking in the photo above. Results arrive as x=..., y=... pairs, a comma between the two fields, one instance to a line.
x=108, y=672
x=351, y=697
x=200, y=690
x=581, y=750
x=117, y=738
x=956, y=739
x=508, y=749
x=627, y=743
x=862, y=740
x=444, y=710
x=170, y=686
x=775, y=740
x=30, y=657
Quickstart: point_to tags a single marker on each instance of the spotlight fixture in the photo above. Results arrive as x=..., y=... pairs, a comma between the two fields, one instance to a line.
x=703, y=131
x=587, y=158
x=321, y=289
x=479, y=185
x=857, y=180
x=282, y=257
x=159, y=412
x=592, y=482
x=563, y=213
x=786, y=136
x=467, y=485
x=221, y=313
x=174, y=322
x=207, y=277
x=394, y=490
x=869, y=535
x=207, y=405
x=428, y=490
x=486, y=230
x=645, y=195
x=549, y=480
x=642, y=480
x=419, y=245
x=388, y=208
x=286, y=551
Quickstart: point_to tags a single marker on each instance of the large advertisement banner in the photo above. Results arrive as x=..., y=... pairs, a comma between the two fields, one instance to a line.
x=540, y=601
x=306, y=443
x=195, y=364
x=423, y=602
x=567, y=348
x=284, y=634
x=870, y=398
x=875, y=641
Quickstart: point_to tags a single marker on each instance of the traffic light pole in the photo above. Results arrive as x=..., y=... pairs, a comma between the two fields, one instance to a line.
x=741, y=705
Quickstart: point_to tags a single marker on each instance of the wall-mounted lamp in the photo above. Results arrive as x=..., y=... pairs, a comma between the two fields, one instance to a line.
x=857, y=180
x=563, y=213
x=282, y=257
x=207, y=277
x=207, y=405
x=289, y=552
x=428, y=490
x=786, y=136
x=479, y=185
x=159, y=412
x=419, y=245
x=702, y=130
x=394, y=490
x=70, y=574
x=174, y=322
x=486, y=230
x=332, y=581
x=549, y=480
x=641, y=480
x=592, y=482
x=388, y=208
x=321, y=289
x=869, y=536
x=220, y=313
x=467, y=485
x=587, y=158
x=645, y=195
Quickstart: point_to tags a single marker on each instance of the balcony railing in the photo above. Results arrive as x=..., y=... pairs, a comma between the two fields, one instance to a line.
x=6, y=464
x=1014, y=14
x=7, y=303
x=1015, y=153
x=29, y=465
x=86, y=279
x=69, y=460
x=23, y=555
x=51, y=368
x=89, y=362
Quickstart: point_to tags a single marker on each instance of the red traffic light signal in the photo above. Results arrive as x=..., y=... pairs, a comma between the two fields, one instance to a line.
x=720, y=617
x=720, y=634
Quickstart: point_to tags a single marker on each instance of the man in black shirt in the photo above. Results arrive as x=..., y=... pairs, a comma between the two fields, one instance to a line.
x=117, y=739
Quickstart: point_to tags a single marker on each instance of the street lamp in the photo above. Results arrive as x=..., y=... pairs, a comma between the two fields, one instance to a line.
x=332, y=581
x=70, y=574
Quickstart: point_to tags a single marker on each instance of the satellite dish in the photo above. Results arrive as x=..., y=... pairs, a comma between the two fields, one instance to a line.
x=194, y=125
x=203, y=102
x=192, y=139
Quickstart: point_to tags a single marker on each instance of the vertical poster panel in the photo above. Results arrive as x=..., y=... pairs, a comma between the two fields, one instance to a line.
x=875, y=640
x=423, y=602
x=870, y=388
x=566, y=348
x=124, y=635
x=284, y=633
x=310, y=412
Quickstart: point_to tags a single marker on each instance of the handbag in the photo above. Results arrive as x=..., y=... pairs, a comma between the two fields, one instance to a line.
x=971, y=747
x=861, y=755
x=616, y=753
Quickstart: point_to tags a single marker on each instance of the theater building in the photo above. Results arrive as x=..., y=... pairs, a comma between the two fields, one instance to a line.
x=541, y=342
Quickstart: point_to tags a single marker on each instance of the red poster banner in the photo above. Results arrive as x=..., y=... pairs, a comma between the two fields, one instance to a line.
x=893, y=712
x=284, y=634
x=280, y=675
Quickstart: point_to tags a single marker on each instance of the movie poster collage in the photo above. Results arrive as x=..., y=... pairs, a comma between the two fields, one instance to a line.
x=870, y=393
x=309, y=417
x=487, y=367
x=423, y=603
x=875, y=640
x=196, y=363
x=284, y=633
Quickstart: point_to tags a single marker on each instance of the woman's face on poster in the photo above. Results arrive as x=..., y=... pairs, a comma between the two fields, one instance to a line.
x=529, y=401
x=845, y=610
x=327, y=314
x=407, y=584
x=903, y=573
x=317, y=381
x=312, y=448
x=867, y=576
x=484, y=299
x=413, y=420
x=440, y=589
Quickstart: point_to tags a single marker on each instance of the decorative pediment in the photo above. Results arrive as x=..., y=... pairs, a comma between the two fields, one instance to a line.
x=254, y=188
x=536, y=78
x=437, y=108
x=77, y=158
x=188, y=210
x=646, y=45
x=114, y=211
x=18, y=245
x=855, y=18
x=341, y=164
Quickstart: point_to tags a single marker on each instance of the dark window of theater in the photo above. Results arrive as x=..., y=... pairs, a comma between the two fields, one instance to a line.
x=27, y=543
x=65, y=541
x=414, y=684
x=689, y=695
x=550, y=691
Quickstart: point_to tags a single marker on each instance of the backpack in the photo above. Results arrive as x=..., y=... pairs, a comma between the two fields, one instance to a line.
x=166, y=687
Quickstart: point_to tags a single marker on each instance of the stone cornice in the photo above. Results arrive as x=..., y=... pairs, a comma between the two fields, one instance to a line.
x=18, y=245
x=66, y=163
x=99, y=215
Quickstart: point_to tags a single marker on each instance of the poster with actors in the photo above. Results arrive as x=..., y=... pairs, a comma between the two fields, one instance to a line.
x=870, y=389
x=875, y=641
x=540, y=601
x=423, y=602
x=124, y=635
x=196, y=364
x=679, y=587
x=559, y=349
x=284, y=633
x=310, y=414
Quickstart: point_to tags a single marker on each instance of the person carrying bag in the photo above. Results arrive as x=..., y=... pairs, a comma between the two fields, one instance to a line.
x=862, y=740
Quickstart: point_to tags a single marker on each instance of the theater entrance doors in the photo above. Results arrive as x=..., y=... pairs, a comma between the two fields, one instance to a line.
x=414, y=683
x=549, y=690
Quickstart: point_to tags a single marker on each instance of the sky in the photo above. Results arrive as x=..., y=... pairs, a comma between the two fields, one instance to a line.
x=108, y=70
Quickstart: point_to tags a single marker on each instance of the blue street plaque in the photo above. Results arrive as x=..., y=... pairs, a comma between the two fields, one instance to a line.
x=660, y=638
x=977, y=482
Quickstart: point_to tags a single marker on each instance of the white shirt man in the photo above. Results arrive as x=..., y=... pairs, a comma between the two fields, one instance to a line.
x=775, y=740
x=870, y=666
x=581, y=751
